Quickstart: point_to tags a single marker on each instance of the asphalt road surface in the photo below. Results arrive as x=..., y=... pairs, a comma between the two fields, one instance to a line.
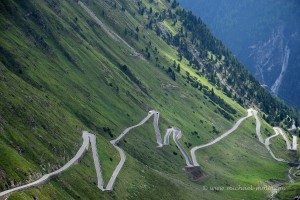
x=236, y=125
x=288, y=143
x=89, y=138
x=46, y=177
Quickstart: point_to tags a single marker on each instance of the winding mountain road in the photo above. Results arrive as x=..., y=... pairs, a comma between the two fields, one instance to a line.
x=107, y=30
x=258, y=125
x=235, y=126
x=267, y=144
x=89, y=138
x=290, y=175
x=293, y=126
x=176, y=136
x=121, y=151
x=288, y=143
x=295, y=144
x=46, y=177
x=167, y=135
x=96, y=160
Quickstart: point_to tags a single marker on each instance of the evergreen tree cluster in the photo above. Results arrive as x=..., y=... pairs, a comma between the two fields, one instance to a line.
x=210, y=58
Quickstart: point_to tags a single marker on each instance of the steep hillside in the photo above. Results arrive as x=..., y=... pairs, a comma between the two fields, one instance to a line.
x=264, y=35
x=100, y=66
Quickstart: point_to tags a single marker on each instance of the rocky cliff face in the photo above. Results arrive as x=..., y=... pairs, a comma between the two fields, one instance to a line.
x=270, y=59
x=264, y=35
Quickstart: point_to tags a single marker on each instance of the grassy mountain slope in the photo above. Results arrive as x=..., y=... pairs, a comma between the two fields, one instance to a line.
x=62, y=73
